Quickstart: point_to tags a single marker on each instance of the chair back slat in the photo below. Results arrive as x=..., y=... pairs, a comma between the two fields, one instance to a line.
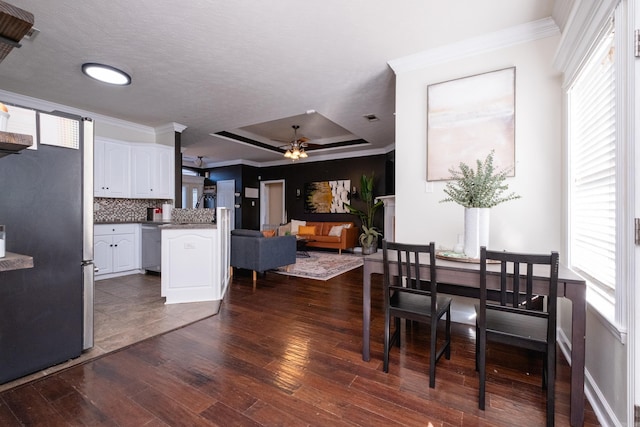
x=516, y=285
x=516, y=268
x=529, y=290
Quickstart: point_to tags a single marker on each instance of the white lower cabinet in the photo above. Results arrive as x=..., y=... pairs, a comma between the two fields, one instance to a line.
x=116, y=248
x=196, y=261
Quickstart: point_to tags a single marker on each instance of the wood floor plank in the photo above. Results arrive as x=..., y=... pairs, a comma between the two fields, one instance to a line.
x=289, y=353
x=6, y=416
x=111, y=398
x=163, y=382
x=224, y=416
x=168, y=409
x=31, y=408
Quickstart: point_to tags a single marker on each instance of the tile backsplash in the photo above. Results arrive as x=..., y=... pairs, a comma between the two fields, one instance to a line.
x=135, y=210
x=193, y=215
x=106, y=209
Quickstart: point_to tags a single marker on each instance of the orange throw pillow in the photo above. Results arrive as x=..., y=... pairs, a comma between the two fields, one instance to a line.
x=269, y=233
x=307, y=230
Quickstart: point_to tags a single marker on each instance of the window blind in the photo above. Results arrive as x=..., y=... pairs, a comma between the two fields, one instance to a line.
x=592, y=163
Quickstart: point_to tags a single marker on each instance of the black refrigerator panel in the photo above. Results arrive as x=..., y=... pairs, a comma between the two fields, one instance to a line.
x=41, y=308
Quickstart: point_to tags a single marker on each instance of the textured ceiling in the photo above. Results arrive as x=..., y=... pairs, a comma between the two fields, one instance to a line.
x=218, y=66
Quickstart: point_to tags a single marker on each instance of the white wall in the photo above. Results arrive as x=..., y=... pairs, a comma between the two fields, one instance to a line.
x=114, y=130
x=532, y=223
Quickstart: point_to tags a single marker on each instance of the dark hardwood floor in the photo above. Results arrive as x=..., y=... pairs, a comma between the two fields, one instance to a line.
x=289, y=353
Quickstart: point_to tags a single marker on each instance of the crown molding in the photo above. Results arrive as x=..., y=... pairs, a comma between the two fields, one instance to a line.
x=584, y=25
x=512, y=36
x=40, y=104
x=170, y=127
x=310, y=159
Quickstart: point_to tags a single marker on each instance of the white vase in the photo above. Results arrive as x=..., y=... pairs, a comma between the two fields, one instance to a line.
x=476, y=230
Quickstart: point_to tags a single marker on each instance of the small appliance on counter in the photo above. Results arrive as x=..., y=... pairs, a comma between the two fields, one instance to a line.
x=154, y=214
x=166, y=212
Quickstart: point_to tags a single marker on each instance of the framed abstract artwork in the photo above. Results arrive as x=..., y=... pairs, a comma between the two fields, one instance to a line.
x=327, y=196
x=469, y=117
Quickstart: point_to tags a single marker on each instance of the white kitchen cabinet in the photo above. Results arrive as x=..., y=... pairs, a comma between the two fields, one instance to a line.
x=152, y=168
x=112, y=173
x=116, y=248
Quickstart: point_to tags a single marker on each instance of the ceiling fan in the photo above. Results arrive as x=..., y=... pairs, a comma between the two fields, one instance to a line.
x=295, y=148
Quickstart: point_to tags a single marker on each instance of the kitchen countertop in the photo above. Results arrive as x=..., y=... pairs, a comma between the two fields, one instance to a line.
x=159, y=223
x=13, y=261
x=177, y=225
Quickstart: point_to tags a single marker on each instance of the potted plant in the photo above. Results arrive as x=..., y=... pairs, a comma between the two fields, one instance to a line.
x=477, y=191
x=370, y=234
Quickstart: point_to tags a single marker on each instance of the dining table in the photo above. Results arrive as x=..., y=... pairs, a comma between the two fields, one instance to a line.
x=463, y=278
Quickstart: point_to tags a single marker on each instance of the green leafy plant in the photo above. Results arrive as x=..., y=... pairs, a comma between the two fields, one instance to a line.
x=483, y=187
x=369, y=231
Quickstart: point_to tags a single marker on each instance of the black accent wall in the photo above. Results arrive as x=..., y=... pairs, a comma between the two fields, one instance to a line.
x=297, y=174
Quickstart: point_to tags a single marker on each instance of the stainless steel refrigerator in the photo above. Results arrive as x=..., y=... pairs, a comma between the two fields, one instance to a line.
x=46, y=205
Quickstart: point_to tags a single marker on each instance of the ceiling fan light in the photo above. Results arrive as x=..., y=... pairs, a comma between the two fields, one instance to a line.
x=295, y=150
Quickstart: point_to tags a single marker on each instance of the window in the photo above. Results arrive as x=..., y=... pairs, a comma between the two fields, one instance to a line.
x=189, y=172
x=195, y=197
x=192, y=188
x=600, y=103
x=592, y=169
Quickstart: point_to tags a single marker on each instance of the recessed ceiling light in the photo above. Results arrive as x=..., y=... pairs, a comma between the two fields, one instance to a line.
x=106, y=74
x=371, y=117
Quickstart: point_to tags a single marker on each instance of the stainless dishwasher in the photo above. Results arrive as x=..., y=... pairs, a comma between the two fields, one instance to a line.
x=151, y=254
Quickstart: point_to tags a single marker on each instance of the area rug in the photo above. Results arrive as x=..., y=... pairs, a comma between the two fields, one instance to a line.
x=322, y=265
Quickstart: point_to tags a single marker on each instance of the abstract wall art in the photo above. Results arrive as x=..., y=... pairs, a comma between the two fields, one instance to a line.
x=469, y=117
x=327, y=196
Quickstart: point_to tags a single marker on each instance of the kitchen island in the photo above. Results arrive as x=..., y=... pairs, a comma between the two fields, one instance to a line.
x=196, y=260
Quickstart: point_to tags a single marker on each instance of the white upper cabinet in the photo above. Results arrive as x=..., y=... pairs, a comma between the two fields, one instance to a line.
x=142, y=160
x=131, y=170
x=152, y=172
x=165, y=171
x=112, y=174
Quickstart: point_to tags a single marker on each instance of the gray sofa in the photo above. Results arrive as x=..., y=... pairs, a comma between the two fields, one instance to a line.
x=252, y=251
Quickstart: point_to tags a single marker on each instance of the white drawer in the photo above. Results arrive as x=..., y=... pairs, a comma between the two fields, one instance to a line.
x=106, y=229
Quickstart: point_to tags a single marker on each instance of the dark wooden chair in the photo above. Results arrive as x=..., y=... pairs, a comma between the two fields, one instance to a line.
x=517, y=319
x=411, y=297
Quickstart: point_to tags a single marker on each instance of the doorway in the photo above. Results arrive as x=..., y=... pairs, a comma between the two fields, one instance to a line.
x=272, y=207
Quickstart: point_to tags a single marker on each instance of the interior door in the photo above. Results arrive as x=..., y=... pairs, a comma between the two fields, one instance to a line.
x=272, y=207
x=226, y=198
